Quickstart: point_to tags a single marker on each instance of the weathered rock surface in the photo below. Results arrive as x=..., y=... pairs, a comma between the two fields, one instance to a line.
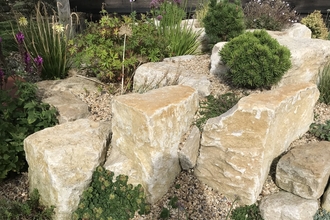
x=159, y=74
x=147, y=130
x=62, y=95
x=305, y=170
x=69, y=107
x=189, y=152
x=238, y=147
x=286, y=206
x=62, y=160
x=325, y=202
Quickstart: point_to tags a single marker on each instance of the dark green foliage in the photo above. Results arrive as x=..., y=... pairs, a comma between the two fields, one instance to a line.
x=108, y=199
x=321, y=131
x=213, y=107
x=324, y=84
x=321, y=214
x=20, y=117
x=269, y=14
x=246, y=213
x=223, y=21
x=31, y=209
x=6, y=33
x=255, y=60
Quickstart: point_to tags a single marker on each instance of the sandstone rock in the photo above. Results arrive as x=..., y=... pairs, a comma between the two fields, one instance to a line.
x=286, y=206
x=238, y=147
x=189, y=152
x=298, y=30
x=147, y=130
x=62, y=95
x=217, y=66
x=305, y=170
x=69, y=107
x=62, y=160
x=154, y=75
x=325, y=202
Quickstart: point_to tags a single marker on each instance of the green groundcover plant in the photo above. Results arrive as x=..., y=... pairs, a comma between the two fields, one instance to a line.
x=248, y=212
x=31, y=209
x=255, y=60
x=107, y=198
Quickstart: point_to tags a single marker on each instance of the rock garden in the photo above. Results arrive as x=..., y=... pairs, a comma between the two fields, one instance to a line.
x=164, y=117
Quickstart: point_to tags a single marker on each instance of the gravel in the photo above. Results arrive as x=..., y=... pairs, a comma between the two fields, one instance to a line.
x=195, y=199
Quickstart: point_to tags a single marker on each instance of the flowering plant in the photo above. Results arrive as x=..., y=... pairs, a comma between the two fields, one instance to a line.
x=48, y=40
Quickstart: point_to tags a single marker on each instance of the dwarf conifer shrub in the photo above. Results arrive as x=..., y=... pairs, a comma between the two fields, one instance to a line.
x=269, y=14
x=255, y=60
x=108, y=199
x=223, y=20
x=315, y=22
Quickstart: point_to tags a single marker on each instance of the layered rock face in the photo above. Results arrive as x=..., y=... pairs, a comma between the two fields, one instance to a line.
x=238, y=147
x=62, y=160
x=147, y=130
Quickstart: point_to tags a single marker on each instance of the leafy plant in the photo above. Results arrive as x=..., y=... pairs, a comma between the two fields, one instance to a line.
x=321, y=131
x=324, y=84
x=224, y=20
x=255, y=60
x=269, y=14
x=20, y=117
x=31, y=209
x=213, y=107
x=246, y=213
x=108, y=199
x=321, y=214
x=45, y=37
x=180, y=37
x=315, y=23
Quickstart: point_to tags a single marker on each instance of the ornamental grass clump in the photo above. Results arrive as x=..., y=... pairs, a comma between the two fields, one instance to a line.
x=324, y=84
x=255, y=60
x=45, y=37
x=315, y=23
x=272, y=15
x=111, y=199
x=180, y=37
x=223, y=21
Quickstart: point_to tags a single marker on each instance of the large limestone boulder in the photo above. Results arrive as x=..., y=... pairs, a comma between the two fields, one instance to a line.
x=147, y=130
x=159, y=74
x=62, y=160
x=305, y=170
x=286, y=206
x=237, y=148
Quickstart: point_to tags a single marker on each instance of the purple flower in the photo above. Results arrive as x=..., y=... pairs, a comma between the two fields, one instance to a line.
x=27, y=61
x=156, y=3
x=159, y=17
x=20, y=37
x=38, y=60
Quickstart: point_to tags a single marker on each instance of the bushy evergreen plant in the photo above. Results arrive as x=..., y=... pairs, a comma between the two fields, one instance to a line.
x=315, y=22
x=224, y=20
x=255, y=60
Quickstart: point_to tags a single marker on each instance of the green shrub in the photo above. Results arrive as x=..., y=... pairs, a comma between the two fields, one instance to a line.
x=272, y=15
x=108, y=199
x=223, y=20
x=20, y=117
x=246, y=213
x=315, y=22
x=255, y=60
x=31, y=209
x=213, y=107
x=321, y=131
x=46, y=38
x=324, y=84
x=321, y=214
